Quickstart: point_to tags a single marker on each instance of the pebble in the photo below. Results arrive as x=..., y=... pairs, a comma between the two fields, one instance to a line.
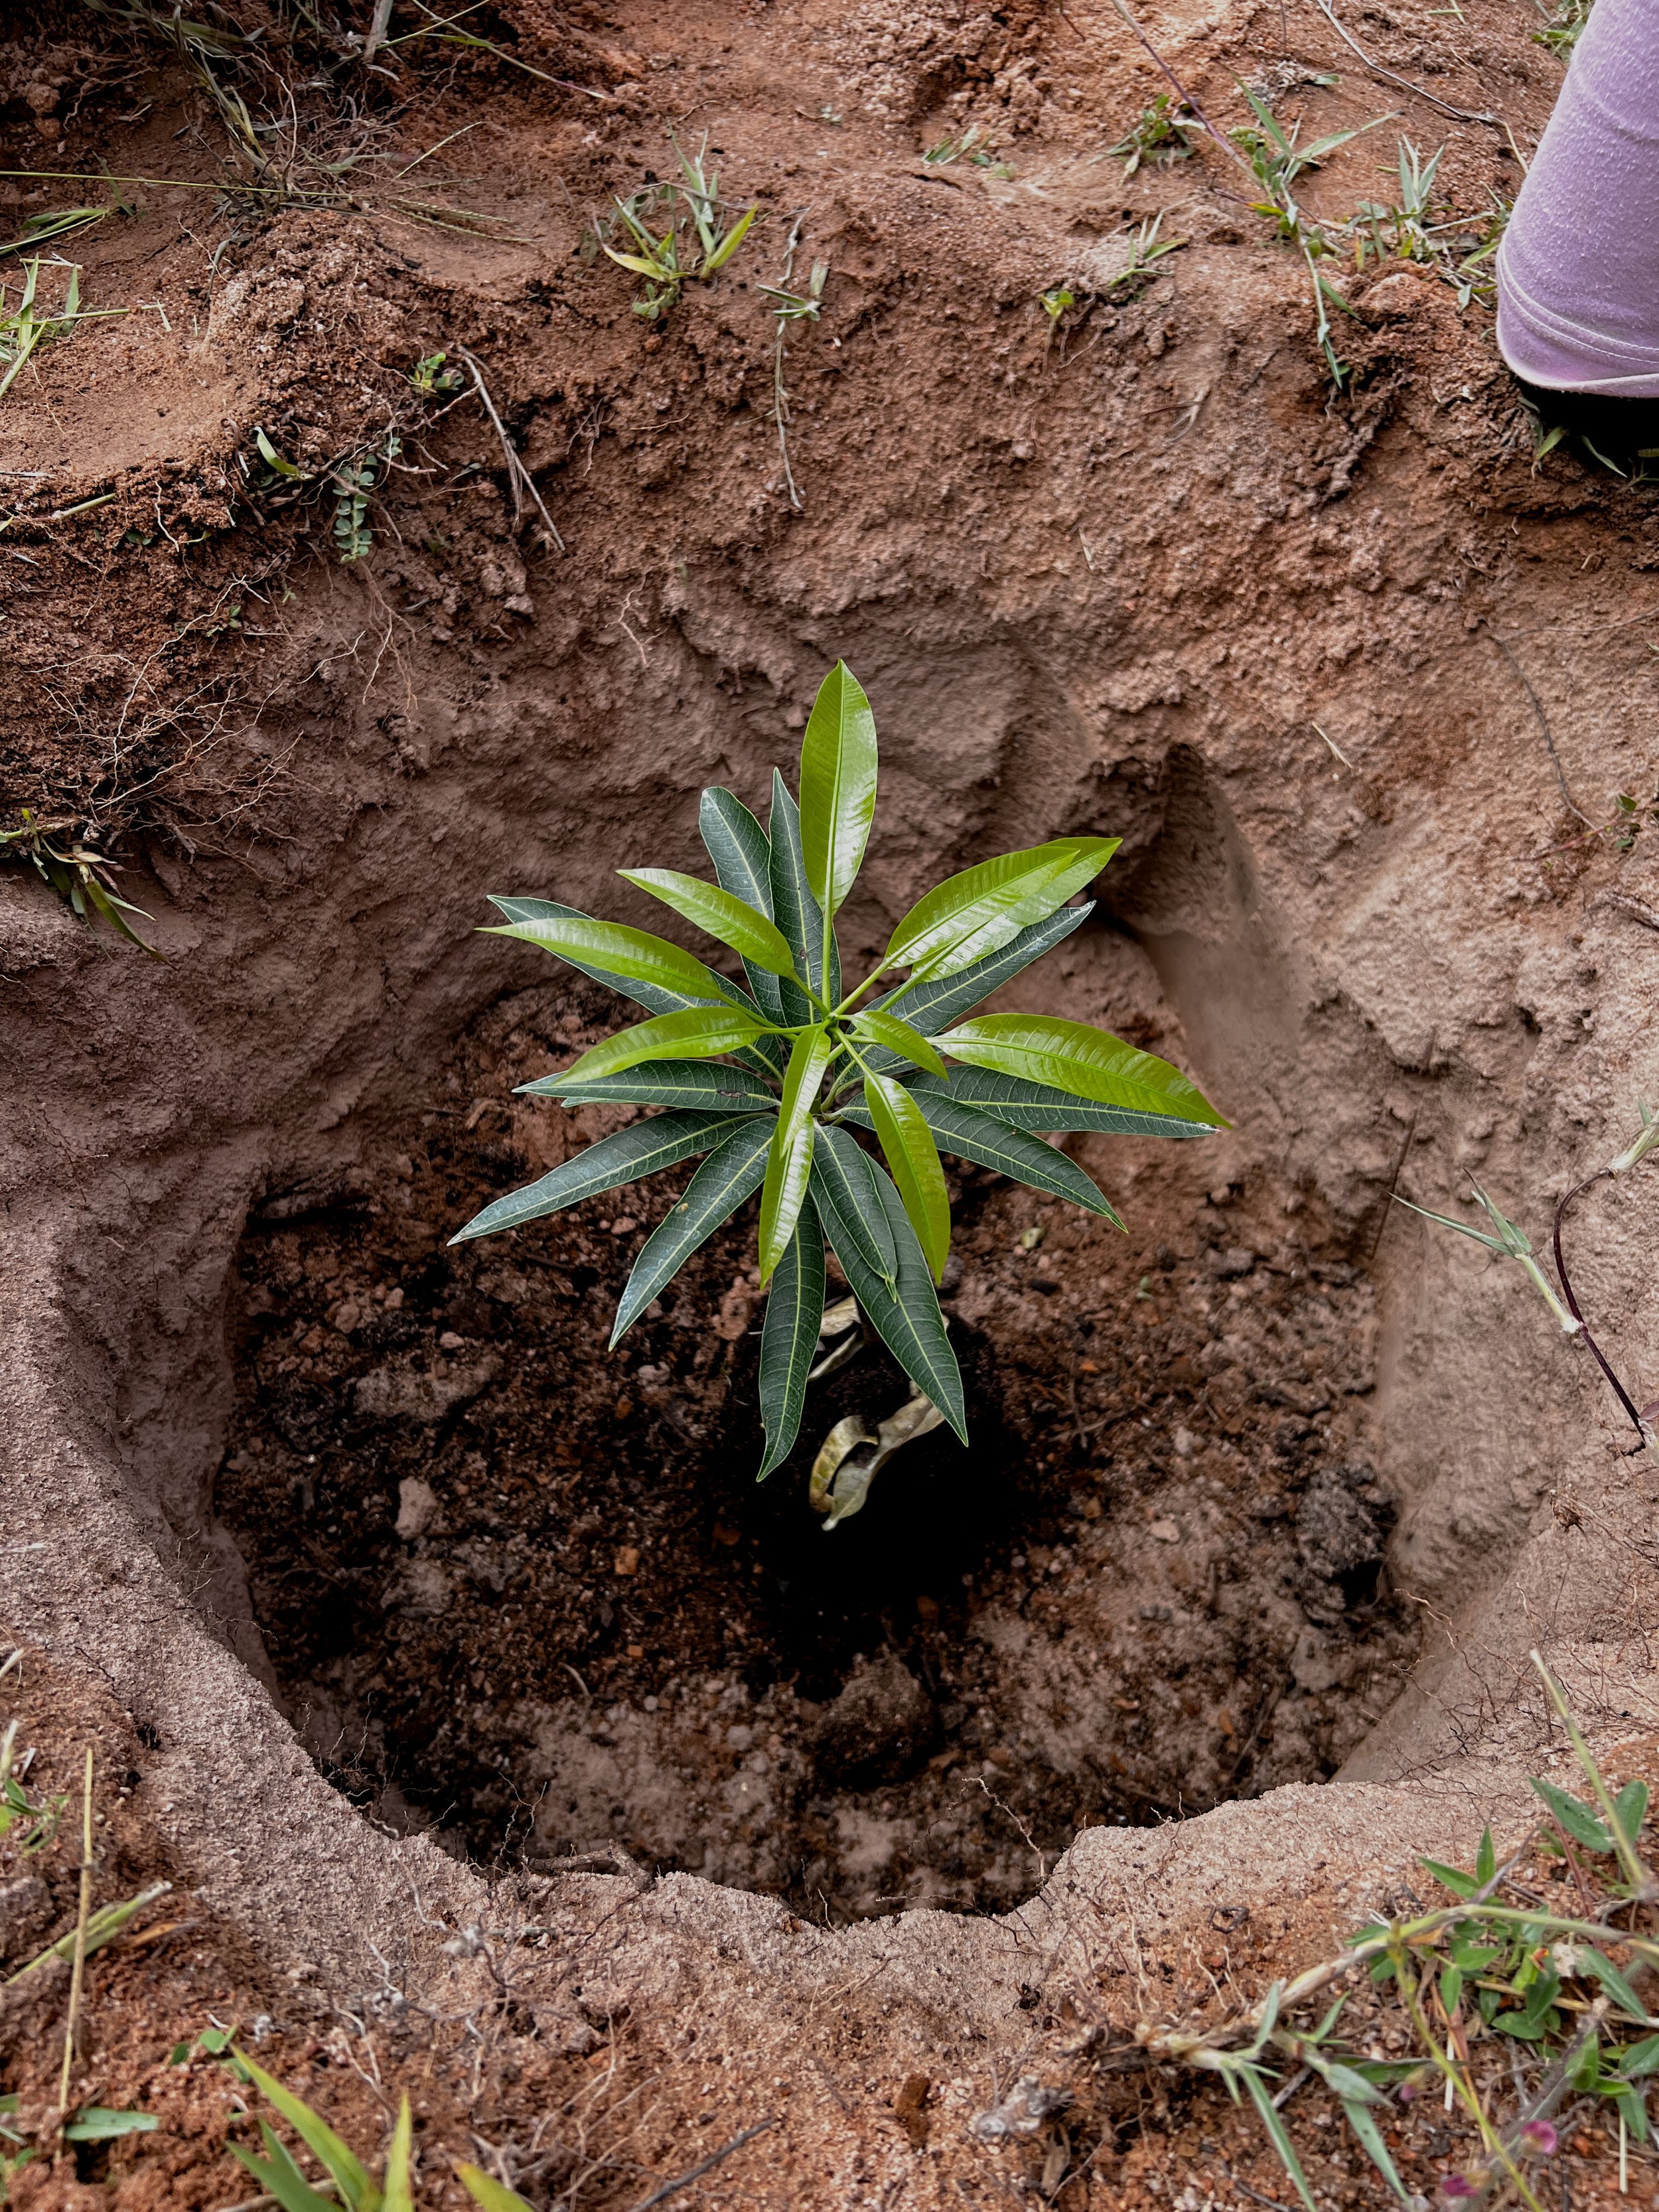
x=1167, y=1532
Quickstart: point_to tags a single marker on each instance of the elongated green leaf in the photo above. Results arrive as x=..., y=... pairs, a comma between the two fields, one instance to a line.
x=1091, y=1063
x=319, y=2138
x=913, y=1163
x=686, y=1082
x=791, y=1159
x=279, y=2176
x=789, y=1337
x=720, y=914
x=931, y=1007
x=1580, y=1823
x=98, y=2123
x=1486, y=1857
x=697, y=1034
x=485, y=2191
x=1369, y=2138
x=1278, y=2134
x=619, y=950
x=968, y=1134
x=732, y=1173
x=1451, y=1877
x=983, y=908
x=1641, y=2060
x=1026, y=1105
x=399, y=2196
x=737, y=846
x=1632, y=1806
x=643, y=1150
x=844, y=1184
x=904, y=1043
x=1592, y=1963
x=795, y=911
x=906, y=1316
x=765, y=1055
x=837, y=787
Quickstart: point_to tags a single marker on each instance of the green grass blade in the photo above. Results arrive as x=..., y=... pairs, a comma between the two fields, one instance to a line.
x=906, y=1317
x=844, y=1182
x=279, y=2176
x=1277, y=2133
x=837, y=787
x=359, y=2192
x=1074, y=1056
x=492, y=2196
x=720, y=914
x=1369, y=2138
x=914, y=1164
x=398, y=2197
x=646, y=1149
x=731, y=1174
x=789, y=1336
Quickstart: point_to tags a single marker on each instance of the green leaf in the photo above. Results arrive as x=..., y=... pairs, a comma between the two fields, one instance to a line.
x=273, y=460
x=697, y=1034
x=720, y=914
x=1370, y=2137
x=907, y=1046
x=1579, y=1822
x=1641, y=2060
x=1633, y=2112
x=643, y=1150
x=1277, y=2134
x=914, y=1164
x=982, y=909
x=1632, y=1806
x=968, y=1134
x=790, y=1161
x=1451, y=1878
x=356, y=2188
x=737, y=846
x=1486, y=1859
x=399, y=2198
x=732, y=1173
x=906, y=1317
x=1073, y=1056
x=795, y=911
x=729, y=245
x=930, y=1007
x=97, y=2123
x=485, y=2191
x=616, y=949
x=279, y=2176
x=844, y=1183
x=789, y=1336
x=1592, y=1963
x=837, y=787
x=1039, y=1106
x=687, y=1083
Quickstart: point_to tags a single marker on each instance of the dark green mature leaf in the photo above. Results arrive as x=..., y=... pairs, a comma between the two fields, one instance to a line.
x=699, y=1033
x=1026, y=1105
x=1593, y=1965
x=643, y=1150
x=732, y=1173
x=795, y=911
x=611, y=946
x=844, y=1183
x=905, y=1045
x=982, y=909
x=1579, y=1822
x=1074, y=1056
x=720, y=914
x=687, y=1083
x=906, y=1317
x=789, y=1337
x=737, y=846
x=764, y=1055
x=791, y=1160
x=837, y=787
x=969, y=1134
x=931, y=1007
x=913, y=1163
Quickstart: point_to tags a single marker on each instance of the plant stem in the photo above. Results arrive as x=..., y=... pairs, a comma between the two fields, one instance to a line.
x=1619, y=1389
x=77, y=1973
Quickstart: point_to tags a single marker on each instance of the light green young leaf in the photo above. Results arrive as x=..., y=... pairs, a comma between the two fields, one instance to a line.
x=359, y=2193
x=906, y=1316
x=97, y=2123
x=486, y=2192
x=699, y=1033
x=731, y=1174
x=790, y=1160
x=913, y=1162
x=1370, y=2137
x=719, y=914
x=844, y=1184
x=1073, y=1056
x=789, y=1336
x=977, y=913
x=931, y=1007
x=837, y=787
x=729, y=245
x=907, y=1045
x=646, y=1149
x=619, y=950
x=969, y=1134
x=278, y=2176
x=399, y=2196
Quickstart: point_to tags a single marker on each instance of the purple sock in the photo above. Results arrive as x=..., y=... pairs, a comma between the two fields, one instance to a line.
x=1578, y=269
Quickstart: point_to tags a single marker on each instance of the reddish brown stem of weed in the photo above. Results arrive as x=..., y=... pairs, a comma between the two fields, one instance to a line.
x=1616, y=1387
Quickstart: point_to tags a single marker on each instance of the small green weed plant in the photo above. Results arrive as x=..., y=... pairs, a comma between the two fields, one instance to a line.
x=775, y=1081
x=69, y=862
x=1160, y=134
x=696, y=243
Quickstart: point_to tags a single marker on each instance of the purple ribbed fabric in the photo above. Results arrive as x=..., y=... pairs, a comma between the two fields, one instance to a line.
x=1578, y=269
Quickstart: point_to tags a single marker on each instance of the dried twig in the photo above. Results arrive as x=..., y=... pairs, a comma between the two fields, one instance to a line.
x=1622, y=903
x=78, y=1975
x=1445, y=107
x=1525, y=682
x=667, y=2188
x=518, y=476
